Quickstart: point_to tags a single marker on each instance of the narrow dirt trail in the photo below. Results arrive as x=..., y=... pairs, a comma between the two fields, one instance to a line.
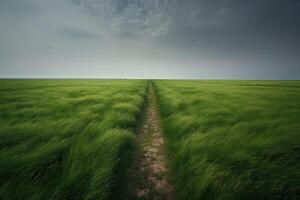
x=148, y=176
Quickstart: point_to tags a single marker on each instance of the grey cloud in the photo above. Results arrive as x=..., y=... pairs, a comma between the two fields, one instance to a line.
x=17, y=7
x=131, y=17
x=192, y=17
x=76, y=33
x=150, y=38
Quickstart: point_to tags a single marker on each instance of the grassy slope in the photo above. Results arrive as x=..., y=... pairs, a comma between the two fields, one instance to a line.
x=233, y=139
x=65, y=139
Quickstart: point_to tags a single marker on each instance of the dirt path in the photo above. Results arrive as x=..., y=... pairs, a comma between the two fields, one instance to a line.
x=148, y=175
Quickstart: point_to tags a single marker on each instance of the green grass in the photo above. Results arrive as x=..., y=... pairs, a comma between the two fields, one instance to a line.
x=73, y=139
x=66, y=139
x=232, y=139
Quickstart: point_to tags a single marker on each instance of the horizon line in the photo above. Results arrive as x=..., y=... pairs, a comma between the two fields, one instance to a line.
x=118, y=78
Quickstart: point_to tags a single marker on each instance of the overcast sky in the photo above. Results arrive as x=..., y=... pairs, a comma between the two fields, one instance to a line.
x=206, y=39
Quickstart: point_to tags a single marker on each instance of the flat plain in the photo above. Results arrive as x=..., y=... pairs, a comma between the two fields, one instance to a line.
x=220, y=140
x=232, y=139
x=66, y=139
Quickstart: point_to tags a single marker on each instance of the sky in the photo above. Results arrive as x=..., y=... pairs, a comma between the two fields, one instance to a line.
x=172, y=39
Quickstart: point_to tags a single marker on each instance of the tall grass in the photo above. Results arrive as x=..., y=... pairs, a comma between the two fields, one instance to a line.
x=68, y=139
x=232, y=139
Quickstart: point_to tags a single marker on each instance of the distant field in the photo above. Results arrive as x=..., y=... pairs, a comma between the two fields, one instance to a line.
x=232, y=139
x=73, y=139
x=66, y=139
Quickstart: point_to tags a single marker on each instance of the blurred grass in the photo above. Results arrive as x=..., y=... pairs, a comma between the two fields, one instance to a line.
x=66, y=139
x=232, y=139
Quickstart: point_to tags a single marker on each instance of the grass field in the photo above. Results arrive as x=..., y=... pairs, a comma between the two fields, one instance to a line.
x=66, y=139
x=232, y=139
x=225, y=140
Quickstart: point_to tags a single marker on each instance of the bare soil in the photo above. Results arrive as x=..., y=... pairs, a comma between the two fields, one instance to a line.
x=148, y=176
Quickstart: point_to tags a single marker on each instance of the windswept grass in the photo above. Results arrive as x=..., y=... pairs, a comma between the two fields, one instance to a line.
x=67, y=139
x=232, y=139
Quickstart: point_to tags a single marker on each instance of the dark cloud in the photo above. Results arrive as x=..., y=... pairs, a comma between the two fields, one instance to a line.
x=241, y=16
x=193, y=38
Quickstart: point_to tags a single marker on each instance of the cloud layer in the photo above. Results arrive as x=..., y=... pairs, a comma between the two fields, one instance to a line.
x=150, y=39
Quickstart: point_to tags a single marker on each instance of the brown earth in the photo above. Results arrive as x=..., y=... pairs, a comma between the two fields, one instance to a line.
x=148, y=177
